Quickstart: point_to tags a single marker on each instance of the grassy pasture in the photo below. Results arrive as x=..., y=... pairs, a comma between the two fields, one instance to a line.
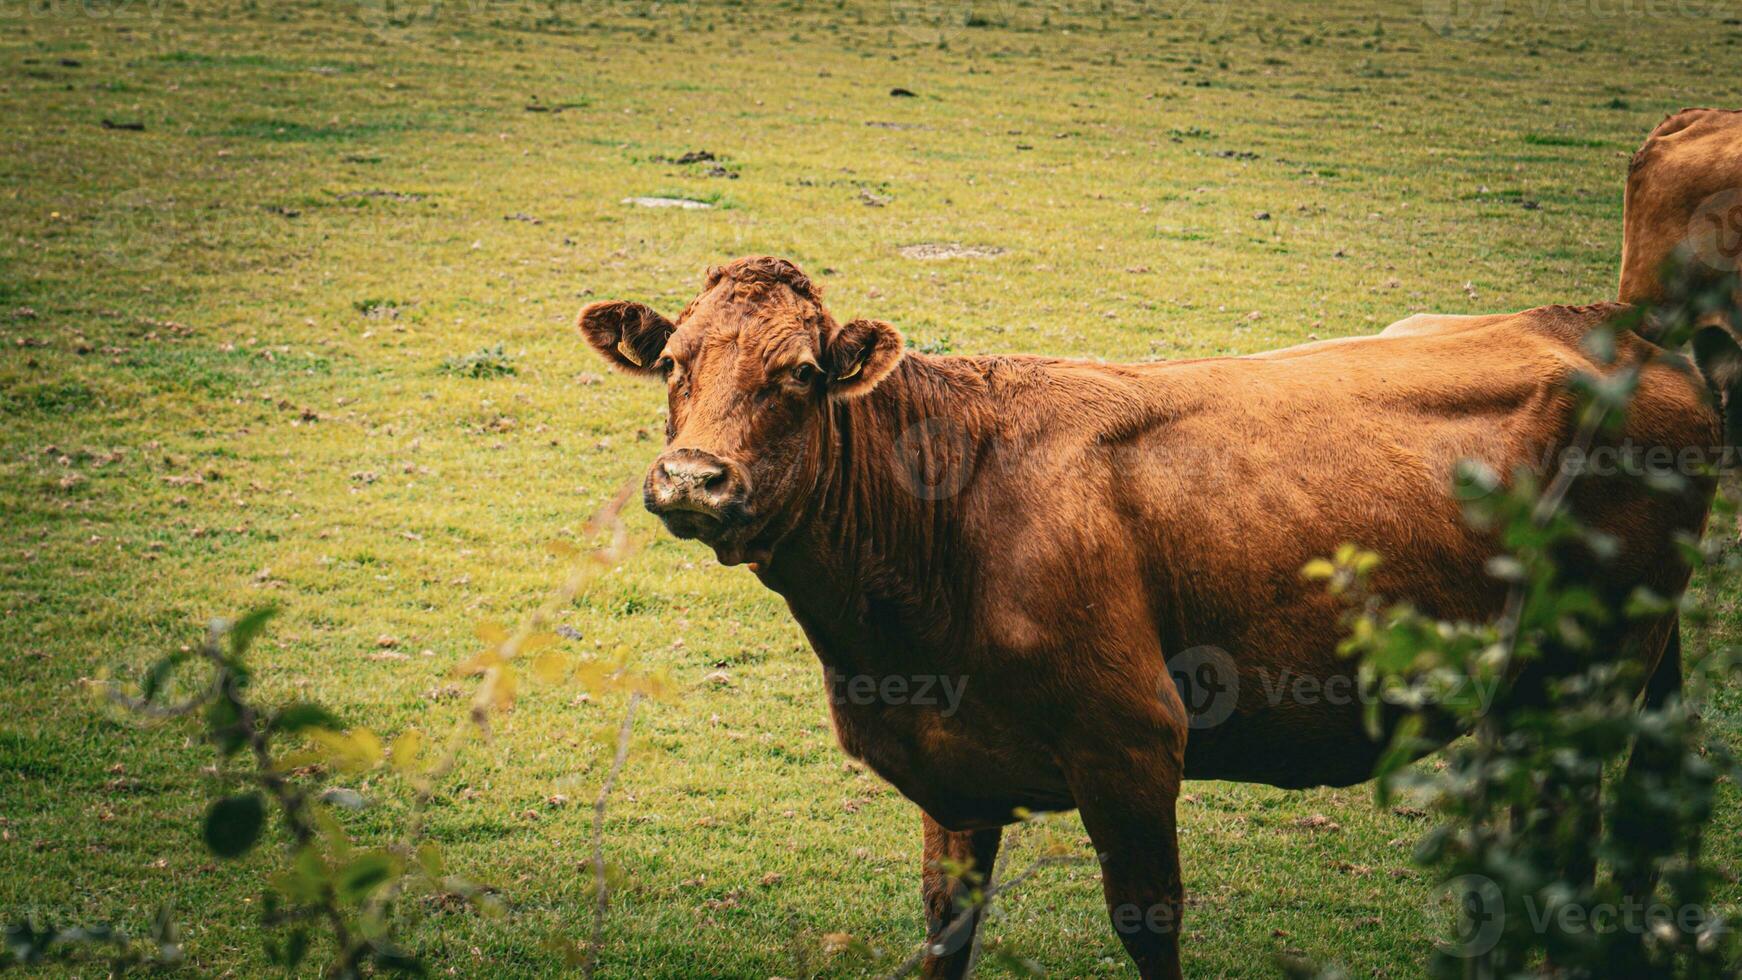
x=249, y=355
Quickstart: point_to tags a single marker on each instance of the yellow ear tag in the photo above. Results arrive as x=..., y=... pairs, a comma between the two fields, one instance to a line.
x=853, y=373
x=628, y=352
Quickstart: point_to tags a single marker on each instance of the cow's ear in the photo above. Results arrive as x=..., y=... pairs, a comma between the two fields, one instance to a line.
x=861, y=354
x=628, y=335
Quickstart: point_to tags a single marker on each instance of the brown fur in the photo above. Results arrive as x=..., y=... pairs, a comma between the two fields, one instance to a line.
x=1058, y=530
x=1687, y=159
x=1690, y=157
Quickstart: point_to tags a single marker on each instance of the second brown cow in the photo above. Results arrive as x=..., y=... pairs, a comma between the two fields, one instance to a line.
x=1684, y=195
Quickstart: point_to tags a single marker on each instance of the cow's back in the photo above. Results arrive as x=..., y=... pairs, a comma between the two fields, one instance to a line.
x=1371, y=431
x=1293, y=455
x=1688, y=171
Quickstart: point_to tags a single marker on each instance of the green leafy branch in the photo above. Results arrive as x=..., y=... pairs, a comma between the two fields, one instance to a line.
x=327, y=885
x=1550, y=697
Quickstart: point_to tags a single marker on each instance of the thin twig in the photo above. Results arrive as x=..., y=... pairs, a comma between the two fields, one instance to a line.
x=602, y=899
x=477, y=717
x=993, y=879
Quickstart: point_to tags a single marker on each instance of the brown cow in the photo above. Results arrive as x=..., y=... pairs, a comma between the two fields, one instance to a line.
x=1684, y=191
x=1048, y=535
x=1684, y=205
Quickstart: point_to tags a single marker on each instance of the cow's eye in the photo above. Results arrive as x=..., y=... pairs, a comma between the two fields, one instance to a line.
x=664, y=366
x=804, y=374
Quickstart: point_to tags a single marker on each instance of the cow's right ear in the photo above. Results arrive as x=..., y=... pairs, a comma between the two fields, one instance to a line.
x=629, y=335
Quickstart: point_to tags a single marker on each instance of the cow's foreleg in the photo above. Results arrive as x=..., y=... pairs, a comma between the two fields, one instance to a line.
x=1140, y=873
x=955, y=862
x=1125, y=787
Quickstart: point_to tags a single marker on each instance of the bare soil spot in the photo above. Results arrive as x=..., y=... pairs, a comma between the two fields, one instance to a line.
x=668, y=202
x=930, y=251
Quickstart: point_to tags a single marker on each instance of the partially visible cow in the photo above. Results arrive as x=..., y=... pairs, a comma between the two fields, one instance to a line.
x=1683, y=218
x=1049, y=537
x=1684, y=192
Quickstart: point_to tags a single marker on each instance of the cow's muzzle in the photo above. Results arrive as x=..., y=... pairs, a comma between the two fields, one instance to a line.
x=696, y=494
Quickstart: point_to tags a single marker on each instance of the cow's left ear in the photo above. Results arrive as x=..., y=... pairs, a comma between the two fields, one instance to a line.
x=861, y=354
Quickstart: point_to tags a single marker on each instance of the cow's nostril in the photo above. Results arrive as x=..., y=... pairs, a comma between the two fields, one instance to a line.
x=694, y=474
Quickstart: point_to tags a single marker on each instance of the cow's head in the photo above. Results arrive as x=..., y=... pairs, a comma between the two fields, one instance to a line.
x=751, y=368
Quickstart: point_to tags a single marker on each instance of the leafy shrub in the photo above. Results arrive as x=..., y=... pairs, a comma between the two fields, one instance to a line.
x=1524, y=821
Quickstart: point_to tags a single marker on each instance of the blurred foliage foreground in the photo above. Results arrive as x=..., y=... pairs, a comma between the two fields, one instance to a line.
x=329, y=898
x=1525, y=822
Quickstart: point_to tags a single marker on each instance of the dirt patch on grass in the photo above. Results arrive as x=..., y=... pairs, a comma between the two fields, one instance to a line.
x=668, y=202
x=931, y=251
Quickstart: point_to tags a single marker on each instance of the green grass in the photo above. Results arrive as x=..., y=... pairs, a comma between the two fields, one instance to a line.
x=1118, y=156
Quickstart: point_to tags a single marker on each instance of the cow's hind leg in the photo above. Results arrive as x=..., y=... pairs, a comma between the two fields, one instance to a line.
x=955, y=862
x=1648, y=758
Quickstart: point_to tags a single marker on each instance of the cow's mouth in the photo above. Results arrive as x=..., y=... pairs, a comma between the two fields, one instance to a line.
x=729, y=531
x=693, y=523
x=735, y=542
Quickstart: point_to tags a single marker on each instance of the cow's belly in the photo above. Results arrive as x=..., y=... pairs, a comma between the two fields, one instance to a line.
x=963, y=770
x=1314, y=736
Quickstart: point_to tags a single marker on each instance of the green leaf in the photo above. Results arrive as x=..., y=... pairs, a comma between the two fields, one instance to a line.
x=396, y=960
x=1645, y=603
x=1474, y=480
x=1405, y=746
x=429, y=855
x=244, y=630
x=225, y=727
x=159, y=674
x=306, y=877
x=233, y=824
x=354, y=751
x=365, y=873
x=304, y=714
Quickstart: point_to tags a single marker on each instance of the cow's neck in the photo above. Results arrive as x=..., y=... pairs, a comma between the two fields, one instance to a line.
x=879, y=567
